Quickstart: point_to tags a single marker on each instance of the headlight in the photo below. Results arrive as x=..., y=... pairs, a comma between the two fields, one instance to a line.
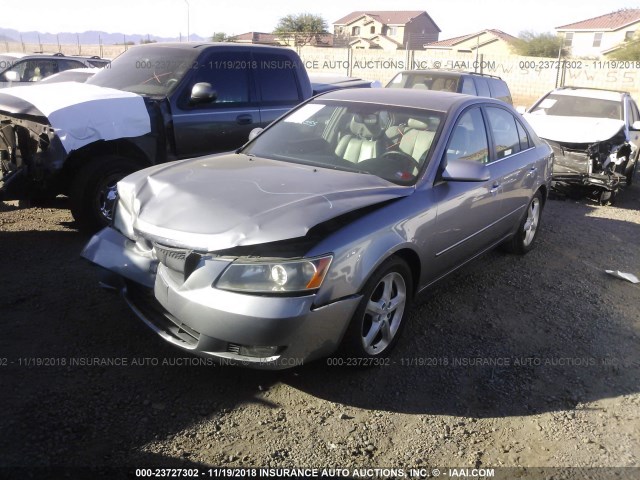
x=276, y=276
x=123, y=220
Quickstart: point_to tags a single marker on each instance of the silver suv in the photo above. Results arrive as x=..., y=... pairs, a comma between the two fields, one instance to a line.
x=22, y=69
x=470, y=83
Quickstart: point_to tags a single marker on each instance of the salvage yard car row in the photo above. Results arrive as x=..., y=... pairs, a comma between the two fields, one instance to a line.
x=317, y=234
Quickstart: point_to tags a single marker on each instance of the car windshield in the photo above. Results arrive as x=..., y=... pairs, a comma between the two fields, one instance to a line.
x=153, y=71
x=387, y=141
x=425, y=81
x=578, y=106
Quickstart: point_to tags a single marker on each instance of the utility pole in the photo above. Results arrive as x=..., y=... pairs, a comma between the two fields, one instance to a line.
x=188, y=32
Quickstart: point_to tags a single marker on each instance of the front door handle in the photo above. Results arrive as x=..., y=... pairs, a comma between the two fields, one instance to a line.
x=245, y=119
x=495, y=188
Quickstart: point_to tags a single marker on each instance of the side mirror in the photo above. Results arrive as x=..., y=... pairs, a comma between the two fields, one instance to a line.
x=254, y=133
x=12, y=76
x=203, y=93
x=635, y=125
x=465, y=171
x=521, y=110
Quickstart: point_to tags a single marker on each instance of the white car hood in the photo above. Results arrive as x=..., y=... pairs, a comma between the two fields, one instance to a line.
x=573, y=129
x=218, y=202
x=80, y=113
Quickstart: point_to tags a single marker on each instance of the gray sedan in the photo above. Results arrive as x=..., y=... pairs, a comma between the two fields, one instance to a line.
x=319, y=232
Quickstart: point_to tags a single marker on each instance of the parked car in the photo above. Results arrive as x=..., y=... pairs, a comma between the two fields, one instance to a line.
x=152, y=104
x=79, y=75
x=471, y=83
x=321, y=230
x=595, y=135
x=23, y=69
x=321, y=83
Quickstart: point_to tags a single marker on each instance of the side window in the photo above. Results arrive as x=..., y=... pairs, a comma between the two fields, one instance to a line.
x=35, y=70
x=483, y=88
x=499, y=90
x=21, y=68
x=469, y=138
x=65, y=64
x=468, y=87
x=525, y=142
x=633, y=112
x=276, y=79
x=228, y=74
x=505, y=132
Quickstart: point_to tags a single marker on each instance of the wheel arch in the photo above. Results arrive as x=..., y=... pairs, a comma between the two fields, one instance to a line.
x=124, y=148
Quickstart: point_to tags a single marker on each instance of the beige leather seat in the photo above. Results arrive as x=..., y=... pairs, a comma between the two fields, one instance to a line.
x=416, y=139
x=363, y=141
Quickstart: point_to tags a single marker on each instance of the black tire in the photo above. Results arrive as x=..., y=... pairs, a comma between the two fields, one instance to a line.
x=607, y=197
x=632, y=172
x=374, y=334
x=524, y=239
x=92, y=190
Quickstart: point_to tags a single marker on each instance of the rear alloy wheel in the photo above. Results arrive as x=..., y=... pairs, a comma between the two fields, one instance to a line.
x=524, y=238
x=93, y=193
x=378, y=320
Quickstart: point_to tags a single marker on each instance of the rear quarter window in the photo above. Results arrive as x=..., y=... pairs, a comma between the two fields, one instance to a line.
x=482, y=87
x=499, y=90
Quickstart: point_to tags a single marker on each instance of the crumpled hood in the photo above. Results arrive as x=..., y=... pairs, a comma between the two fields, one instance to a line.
x=78, y=112
x=218, y=202
x=573, y=129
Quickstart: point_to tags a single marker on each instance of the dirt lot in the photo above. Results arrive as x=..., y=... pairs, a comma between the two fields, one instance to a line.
x=512, y=362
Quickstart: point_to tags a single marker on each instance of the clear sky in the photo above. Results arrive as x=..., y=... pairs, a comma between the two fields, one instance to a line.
x=168, y=18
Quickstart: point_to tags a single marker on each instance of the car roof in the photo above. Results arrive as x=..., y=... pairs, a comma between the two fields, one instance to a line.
x=204, y=45
x=404, y=97
x=13, y=55
x=450, y=73
x=601, y=94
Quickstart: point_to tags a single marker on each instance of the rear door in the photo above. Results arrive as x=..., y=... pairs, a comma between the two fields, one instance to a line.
x=513, y=163
x=277, y=85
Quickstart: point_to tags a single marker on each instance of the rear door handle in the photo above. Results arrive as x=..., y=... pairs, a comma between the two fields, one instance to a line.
x=245, y=119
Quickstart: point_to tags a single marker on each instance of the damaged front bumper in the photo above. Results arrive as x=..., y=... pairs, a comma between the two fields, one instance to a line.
x=258, y=331
x=31, y=157
x=592, y=168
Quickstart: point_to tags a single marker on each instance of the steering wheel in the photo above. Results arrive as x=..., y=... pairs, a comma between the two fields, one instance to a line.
x=402, y=161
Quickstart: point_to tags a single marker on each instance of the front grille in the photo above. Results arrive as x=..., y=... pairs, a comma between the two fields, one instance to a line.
x=173, y=258
x=179, y=260
x=233, y=348
x=146, y=305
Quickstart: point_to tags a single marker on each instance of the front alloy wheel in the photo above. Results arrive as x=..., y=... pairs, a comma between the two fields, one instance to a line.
x=379, y=319
x=383, y=314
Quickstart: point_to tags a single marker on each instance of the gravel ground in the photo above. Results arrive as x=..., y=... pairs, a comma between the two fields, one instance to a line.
x=527, y=361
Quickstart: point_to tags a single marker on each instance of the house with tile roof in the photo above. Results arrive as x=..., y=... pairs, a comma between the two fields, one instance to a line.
x=490, y=41
x=259, y=38
x=601, y=35
x=388, y=30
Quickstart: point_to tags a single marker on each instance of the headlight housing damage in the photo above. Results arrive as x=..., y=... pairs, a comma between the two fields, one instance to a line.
x=275, y=276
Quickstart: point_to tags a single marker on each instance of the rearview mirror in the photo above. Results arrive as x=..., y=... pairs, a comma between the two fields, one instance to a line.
x=12, y=76
x=465, y=171
x=203, y=92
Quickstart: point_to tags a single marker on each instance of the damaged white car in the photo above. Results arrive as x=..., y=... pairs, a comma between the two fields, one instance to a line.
x=595, y=135
x=320, y=230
